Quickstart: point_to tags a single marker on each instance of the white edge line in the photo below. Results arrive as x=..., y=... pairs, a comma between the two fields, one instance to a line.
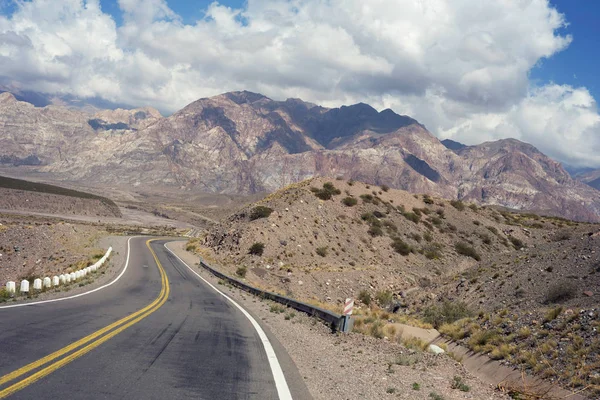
x=80, y=294
x=283, y=391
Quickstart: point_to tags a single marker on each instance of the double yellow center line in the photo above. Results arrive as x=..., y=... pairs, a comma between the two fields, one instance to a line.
x=86, y=344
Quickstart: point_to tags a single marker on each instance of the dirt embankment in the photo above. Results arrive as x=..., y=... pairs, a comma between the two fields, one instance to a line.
x=24, y=200
x=32, y=247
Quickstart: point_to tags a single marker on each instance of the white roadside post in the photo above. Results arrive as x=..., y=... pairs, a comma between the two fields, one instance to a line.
x=55, y=281
x=11, y=287
x=37, y=284
x=348, y=308
x=47, y=282
x=24, y=286
x=73, y=276
x=63, y=279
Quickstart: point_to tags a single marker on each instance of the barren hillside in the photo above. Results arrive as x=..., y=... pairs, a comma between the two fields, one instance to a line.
x=431, y=260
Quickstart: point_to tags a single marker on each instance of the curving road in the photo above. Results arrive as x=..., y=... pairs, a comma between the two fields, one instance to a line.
x=159, y=332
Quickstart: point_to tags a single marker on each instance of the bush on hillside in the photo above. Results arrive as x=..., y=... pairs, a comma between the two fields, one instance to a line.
x=432, y=251
x=518, y=243
x=241, y=272
x=327, y=192
x=464, y=249
x=459, y=205
x=412, y=217
x=322, y=251
x=401, y=247
x=367, y=198
x=447, y=313
x=561, y=291
x=364, y=297
x=349, y=201
x=375, y=230
x=257, y=249
x=260, y=212
x=384, y=298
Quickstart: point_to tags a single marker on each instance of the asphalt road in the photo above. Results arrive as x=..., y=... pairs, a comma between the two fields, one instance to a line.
x=188, y=342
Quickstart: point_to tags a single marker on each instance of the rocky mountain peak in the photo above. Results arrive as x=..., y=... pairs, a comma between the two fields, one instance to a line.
x=245, y=97
x=7, y=97
x=244, y=142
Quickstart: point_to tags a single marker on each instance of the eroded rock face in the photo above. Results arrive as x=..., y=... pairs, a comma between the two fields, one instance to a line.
x=244, y=142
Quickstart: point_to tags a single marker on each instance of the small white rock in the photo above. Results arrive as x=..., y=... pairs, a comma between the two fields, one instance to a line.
x=435, y=349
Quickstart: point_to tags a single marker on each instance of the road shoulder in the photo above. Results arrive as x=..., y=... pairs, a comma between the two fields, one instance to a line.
x=349, y=366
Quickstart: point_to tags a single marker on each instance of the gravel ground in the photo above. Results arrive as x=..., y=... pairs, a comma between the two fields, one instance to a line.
x=354, y=366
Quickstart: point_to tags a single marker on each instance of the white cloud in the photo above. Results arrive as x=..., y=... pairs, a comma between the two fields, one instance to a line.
x=459, y=66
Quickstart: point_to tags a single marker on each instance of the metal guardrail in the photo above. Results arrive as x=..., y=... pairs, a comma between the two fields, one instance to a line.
x=337, y=322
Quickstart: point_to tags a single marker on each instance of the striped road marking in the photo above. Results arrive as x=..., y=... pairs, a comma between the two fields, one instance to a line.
x=89, y=342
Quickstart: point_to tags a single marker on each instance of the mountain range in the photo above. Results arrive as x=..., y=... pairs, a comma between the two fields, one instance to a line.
x=243, y=142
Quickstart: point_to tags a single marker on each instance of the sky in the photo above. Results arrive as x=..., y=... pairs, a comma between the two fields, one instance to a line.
x=469, y=70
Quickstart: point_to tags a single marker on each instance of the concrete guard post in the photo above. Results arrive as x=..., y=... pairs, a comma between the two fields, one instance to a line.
x=24, y=286
x=37, y=284
x=55, y=281
x=11, y=287
x=47, y=282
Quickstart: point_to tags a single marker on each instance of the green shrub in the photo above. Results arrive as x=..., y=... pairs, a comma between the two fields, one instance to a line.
x=390, y=226
x=492, y=229
x=375, y=230
x=416, y=237
x=4, y=295
x=412, y=217
x=322, y=251
x=376, y=330
x=485, y=238
x=561, y=291
x=553, y=313
x=437, y=221
x=384, y=298
x=368, y=216
x=447, y=313
x=260, y=212
x=385, y=188
x=427, y=199
x=518, y=243
x=459, y=205
x=379, y=214
x=432, y=251
x=349, y=201
x=464, y=249
x=401, y=247
x=428, y=237
x=364, y=297
x=457, y=383
x=257, y=249
x=241, y=272
x=367, y=198
x=327, y=192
